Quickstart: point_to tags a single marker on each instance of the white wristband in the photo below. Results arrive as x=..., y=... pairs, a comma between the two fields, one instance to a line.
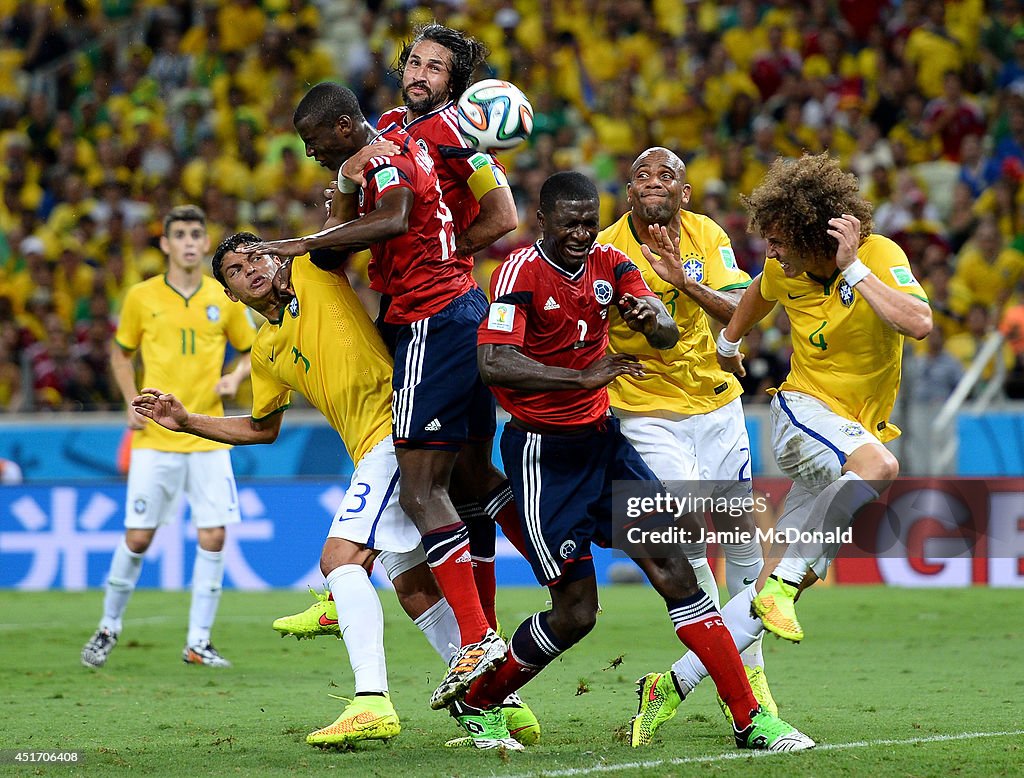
x=726, y=347
x=345, y=186
x=856, y=272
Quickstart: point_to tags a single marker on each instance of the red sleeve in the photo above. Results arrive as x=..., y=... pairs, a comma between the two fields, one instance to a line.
x=384, y=173
x=628, y=279
x=506, y=318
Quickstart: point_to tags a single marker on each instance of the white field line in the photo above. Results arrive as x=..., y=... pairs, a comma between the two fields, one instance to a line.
x=609, y=768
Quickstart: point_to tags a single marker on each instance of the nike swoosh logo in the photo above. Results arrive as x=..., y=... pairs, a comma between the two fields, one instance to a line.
x=748, y=581
x=326, y=622
x=797, y=296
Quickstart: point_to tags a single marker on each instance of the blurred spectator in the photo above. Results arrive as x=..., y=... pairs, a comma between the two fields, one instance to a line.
x=965, y=345
x=934, y=374
x=988, y=268
x=764, y=369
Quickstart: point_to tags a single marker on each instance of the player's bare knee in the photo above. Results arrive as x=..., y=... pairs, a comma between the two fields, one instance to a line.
x=338, y=552
x=138, y=541
x=212, y=538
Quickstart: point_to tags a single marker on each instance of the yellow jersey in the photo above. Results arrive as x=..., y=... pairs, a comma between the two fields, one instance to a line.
x=686, y=378
x=326, y=348
x=182, y=342
x=843, y=354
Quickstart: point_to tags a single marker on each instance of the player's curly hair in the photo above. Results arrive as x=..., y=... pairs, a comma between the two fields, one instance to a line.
x=229, y=244
x=467, y=54
x=797, y=198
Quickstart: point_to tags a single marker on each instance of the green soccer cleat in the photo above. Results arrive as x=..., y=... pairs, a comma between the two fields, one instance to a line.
x=521, y=722
x=658, y=702
x=770, y=733
x=320, y=618
x=759, y=686
x=367, y=717
x=486, y=728
x=775, y=605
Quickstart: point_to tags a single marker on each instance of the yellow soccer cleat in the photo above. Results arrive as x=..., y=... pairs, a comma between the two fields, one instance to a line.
x=320, y=618
x=759, y=686
x=521, y=721
x=368, y=717
x=658, y=703
x=775, y=606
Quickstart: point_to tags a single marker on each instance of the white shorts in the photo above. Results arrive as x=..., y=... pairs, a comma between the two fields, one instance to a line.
x=810, y=441
x=370, y=514
x=157, y=480
x=704, y=447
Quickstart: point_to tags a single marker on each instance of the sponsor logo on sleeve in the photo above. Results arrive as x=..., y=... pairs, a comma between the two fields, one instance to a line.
x=502, y=317
x=903, y=276
x=728, y=258
x=385, y=178
x=479, y=160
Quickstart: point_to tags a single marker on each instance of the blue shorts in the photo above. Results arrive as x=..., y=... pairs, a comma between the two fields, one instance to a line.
x=563, y=490
x=439, y=400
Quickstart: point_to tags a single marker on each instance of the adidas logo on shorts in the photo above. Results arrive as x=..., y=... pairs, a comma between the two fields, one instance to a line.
x=433, y=426
x=551, y=305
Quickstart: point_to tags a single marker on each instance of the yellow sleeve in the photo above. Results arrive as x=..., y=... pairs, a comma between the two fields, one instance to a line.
x=129, y=326
x=269, y=396
x=241, y=333
x=887, y=261
x=721, y=271
x=768, y=279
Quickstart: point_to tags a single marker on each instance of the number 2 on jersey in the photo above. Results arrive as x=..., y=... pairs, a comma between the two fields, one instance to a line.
x=583, y=334
x=817, y=338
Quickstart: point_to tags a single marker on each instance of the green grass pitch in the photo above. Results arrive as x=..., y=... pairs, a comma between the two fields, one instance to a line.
x=888, y=681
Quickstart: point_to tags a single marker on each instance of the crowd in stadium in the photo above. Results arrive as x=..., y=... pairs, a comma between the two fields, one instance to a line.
x=111, y=112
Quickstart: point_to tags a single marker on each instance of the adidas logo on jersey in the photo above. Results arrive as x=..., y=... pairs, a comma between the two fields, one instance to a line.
x=551, y=305
x=464, y=558
x=433, y=426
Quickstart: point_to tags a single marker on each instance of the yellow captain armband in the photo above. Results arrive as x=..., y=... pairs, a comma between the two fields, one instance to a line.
x=486, y=177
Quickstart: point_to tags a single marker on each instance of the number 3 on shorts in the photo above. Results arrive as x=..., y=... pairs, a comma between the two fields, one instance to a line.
x=361, y=496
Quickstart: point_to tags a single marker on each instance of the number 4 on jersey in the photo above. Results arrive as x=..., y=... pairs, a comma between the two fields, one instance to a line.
x=817, y=338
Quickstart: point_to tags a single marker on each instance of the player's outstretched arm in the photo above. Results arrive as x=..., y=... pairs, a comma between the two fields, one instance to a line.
x=751, y=309
x=665, y=261
x=167, y=411
x=649, y=316
x=504, y=365
x=497, y=218
x=388, y=220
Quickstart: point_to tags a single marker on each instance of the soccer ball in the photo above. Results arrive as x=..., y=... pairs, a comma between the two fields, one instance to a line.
x=494, y=115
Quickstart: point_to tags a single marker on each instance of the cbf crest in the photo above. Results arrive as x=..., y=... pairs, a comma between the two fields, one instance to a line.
x=603, y=291
x=213, y=313
x=694, y=269
x=293, y=307
x=845, y=293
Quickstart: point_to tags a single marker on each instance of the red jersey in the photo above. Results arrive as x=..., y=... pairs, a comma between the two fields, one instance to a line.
x=418, y=270
x=559, y=320
x=454, y=159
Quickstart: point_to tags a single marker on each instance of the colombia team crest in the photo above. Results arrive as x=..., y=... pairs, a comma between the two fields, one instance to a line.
x=603, y=291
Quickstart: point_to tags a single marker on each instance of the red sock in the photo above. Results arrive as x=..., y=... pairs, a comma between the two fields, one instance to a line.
x=711, y=642
x=486, y=587
x=448, y=555
x=508, y=519
x=492, y=688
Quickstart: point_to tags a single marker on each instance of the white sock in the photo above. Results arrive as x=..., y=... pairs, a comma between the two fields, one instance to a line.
x=835, y=505
x=743, y=563
x=361, y=622
x=440, y=628
x=697, y=554
x=689, y=670
x=207, y=578
x=125, y=568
